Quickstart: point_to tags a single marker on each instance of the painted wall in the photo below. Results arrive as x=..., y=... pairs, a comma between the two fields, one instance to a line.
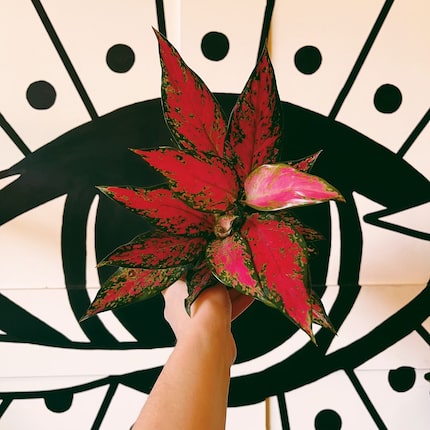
x=77, y=87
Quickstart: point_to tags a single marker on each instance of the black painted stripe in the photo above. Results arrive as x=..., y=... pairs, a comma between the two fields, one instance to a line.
x=266, y=24
x=65, y=58
x=366, y=400
x=14, y=136
x=415, y=133
x=361, y=59
x=161, y=17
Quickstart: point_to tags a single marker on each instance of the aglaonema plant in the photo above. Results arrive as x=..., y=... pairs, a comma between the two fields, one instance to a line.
x=223, y=213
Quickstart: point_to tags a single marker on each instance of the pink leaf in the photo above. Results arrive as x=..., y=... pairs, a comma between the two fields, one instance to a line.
x=204, y=182
x=255, y=125
x=191, y=111
x=278, y=186
x=162, y=209
x=279, y=255
x=156, y=250
x=127, y=286
x=231, y=262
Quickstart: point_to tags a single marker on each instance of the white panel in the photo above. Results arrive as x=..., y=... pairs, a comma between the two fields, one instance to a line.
x=103, y=24
x=231, y=73
x=27, y=55
x=337, y=28
x=10, y=154
x=399, y=410
x=334, y=392
x=30, y=244
x=51, y=361
x=124, y=409
x=418, y=154
x=247, y=417
x=373, y=306
x=390, y=257
x=50, y=305
x=81, y=415
x=399, y=57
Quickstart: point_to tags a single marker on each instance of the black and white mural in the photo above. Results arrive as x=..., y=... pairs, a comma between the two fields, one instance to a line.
x=80, y=84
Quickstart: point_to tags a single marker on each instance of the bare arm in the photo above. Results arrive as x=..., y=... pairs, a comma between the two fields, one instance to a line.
x=191, y=392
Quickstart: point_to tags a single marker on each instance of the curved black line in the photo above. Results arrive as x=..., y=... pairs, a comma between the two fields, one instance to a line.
x=365, y=399
x=65, y=58
x=73, y=249
x=161, y=17
x=270, y=4
x=361, y=59
x=415, y=133
x=19, y=143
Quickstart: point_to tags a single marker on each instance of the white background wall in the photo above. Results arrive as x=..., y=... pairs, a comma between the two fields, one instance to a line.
x=395, y=267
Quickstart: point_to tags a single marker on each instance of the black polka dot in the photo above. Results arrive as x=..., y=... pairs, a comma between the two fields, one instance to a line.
x=41, y=95
x=328, y=419
x=388, y=98
x=59, y=401
x=215, y=46
x=120, y=58
x=402, y=379
x=308, y=59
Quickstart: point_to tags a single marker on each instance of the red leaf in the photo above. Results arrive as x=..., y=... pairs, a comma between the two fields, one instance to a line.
x=231, y=262
x=279, y=255
x=156, y=250
x=198, y=279
x=162, y=209
x=255, y=125
x=204, y=182
x=319, y=315
x=191, y=111
x=278, y=186
x=305, y=164
x=127, y=286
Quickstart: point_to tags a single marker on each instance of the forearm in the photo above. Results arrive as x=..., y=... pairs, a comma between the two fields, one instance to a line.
x=203, y=377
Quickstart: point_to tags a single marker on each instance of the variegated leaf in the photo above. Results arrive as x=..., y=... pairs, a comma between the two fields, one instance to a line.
x=280, y=257
x=198, y=279
x=273, y=187
x=305, y=164
x=308, y=233
x=156, y=250
x=191, y=111
x=254, y=130
x=163, y=210
x=319, y=315
x=127, y=286
x=231, y=262
x=204, y=182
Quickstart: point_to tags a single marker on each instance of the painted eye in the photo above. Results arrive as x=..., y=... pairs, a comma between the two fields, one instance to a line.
x=70, y=109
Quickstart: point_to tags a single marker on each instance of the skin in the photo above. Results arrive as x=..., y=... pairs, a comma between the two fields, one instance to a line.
x=191, y=391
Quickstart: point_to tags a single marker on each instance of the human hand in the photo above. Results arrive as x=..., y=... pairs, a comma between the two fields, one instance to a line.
x=213, y=310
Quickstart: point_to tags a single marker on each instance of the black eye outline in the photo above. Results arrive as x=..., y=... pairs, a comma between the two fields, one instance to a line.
x=372, y=218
